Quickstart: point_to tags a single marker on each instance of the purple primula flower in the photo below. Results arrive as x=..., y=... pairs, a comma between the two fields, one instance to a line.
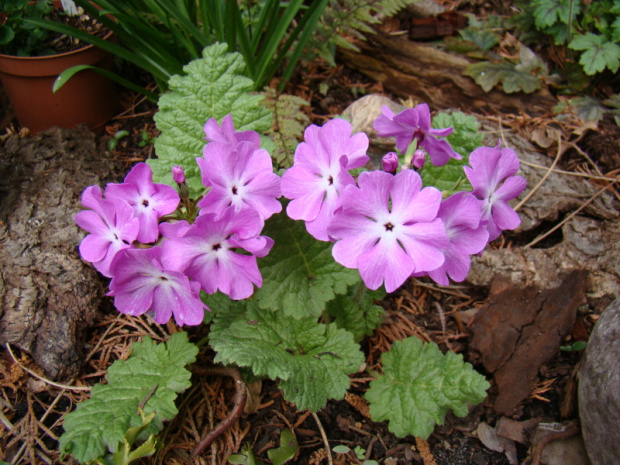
x=388, y=228
x=206, y=251
x=320, y=173
x=489, y=167
x=390, y=162
x=112, y=225
x=150, y=201
x=239, y=177
x=141, y=284
x=415, y=123
x=460, y=214
x=226, y=134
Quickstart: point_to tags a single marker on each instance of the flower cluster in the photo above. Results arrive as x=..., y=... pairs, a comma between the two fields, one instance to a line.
x=384, y=223
x=159, y=267
x=387, y=225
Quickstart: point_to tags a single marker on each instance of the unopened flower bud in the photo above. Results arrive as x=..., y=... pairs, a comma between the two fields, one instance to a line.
x=390, y=162
x=419, y=157
x=178, y=174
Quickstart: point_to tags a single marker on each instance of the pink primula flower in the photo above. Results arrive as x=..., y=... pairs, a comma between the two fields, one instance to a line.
x=492, y=175
x=388, y=228
x=150, y=201
x=320, y=173
x=111, y=225
x=227, y=135
x=240, y=176
x=460, y=214
x=206, y=251
x=141, y=284
x=415, y=123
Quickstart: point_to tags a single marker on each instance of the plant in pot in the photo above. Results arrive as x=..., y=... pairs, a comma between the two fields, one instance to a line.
x=31, y=58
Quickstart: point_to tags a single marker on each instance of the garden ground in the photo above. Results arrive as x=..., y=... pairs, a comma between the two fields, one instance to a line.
x=502, y=430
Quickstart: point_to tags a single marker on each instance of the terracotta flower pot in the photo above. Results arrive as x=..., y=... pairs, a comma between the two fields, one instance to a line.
x=87, y=97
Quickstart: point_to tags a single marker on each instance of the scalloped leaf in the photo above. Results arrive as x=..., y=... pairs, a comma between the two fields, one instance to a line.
x=154, y=374
x=312, y=361
x=465, y=138
x=420, y=385
x=356, y=311
x=215, y=85
x=299, y=275
x=598, y=53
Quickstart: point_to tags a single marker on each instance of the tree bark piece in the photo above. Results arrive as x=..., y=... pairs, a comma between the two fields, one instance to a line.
x=48, y=295
x=519, y=330
x=422, y=71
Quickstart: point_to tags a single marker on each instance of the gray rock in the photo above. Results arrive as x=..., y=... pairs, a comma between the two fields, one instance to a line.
x=599, y=389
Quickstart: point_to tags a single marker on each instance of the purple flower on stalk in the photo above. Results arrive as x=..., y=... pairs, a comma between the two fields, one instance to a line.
x=141, y=284
x=206, y=251
x=388, y=228
x=239, y=176
x=489, y=167
x=460, y=214
x=320, y=173
x=149, y=201
x=112, y=226
x=415, y=123
x=227, y=135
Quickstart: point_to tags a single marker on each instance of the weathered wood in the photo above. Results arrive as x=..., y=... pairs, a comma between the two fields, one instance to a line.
x=426, y=73
x=48, y=295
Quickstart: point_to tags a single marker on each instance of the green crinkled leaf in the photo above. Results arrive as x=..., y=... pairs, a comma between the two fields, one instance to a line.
x=299, y=275
x=547, y=12
x=356, y=311
x=104, y=419
x=214, y=86
x=420, y=385
x=598, y=54
x=487, y=75
x=464, y=139
x=312, y=361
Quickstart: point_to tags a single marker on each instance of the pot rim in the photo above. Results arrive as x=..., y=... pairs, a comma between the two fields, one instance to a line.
x=57, y=55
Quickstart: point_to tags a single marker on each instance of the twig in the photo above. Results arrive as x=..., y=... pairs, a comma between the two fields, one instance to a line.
x=241, y=397
x=330, y=460
x=442, y=318
x=47, y=381
x=544, y=178
x=569, y=173
x=569, y=217
x=586, y=156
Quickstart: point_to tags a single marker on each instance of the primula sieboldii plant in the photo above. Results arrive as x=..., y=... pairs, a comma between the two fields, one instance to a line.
x=162, y=249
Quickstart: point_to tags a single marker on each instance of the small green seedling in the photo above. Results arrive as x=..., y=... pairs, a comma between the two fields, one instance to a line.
x=575, y=346
x=360, y=454
x=116, y=138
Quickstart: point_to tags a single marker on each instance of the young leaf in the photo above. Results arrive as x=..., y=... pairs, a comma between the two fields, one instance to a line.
x=356, y=310
x=154, y=374
x=419, y=385
x=598, y=54
x=464, y=139
x=311, y=360
x=287, y=450
x=214, y=86
x=299, y=274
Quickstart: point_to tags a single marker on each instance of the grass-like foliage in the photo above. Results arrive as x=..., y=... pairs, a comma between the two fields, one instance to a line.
x=150, y=378
x=312, y=361
x=214, y=86
x=420, y=385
